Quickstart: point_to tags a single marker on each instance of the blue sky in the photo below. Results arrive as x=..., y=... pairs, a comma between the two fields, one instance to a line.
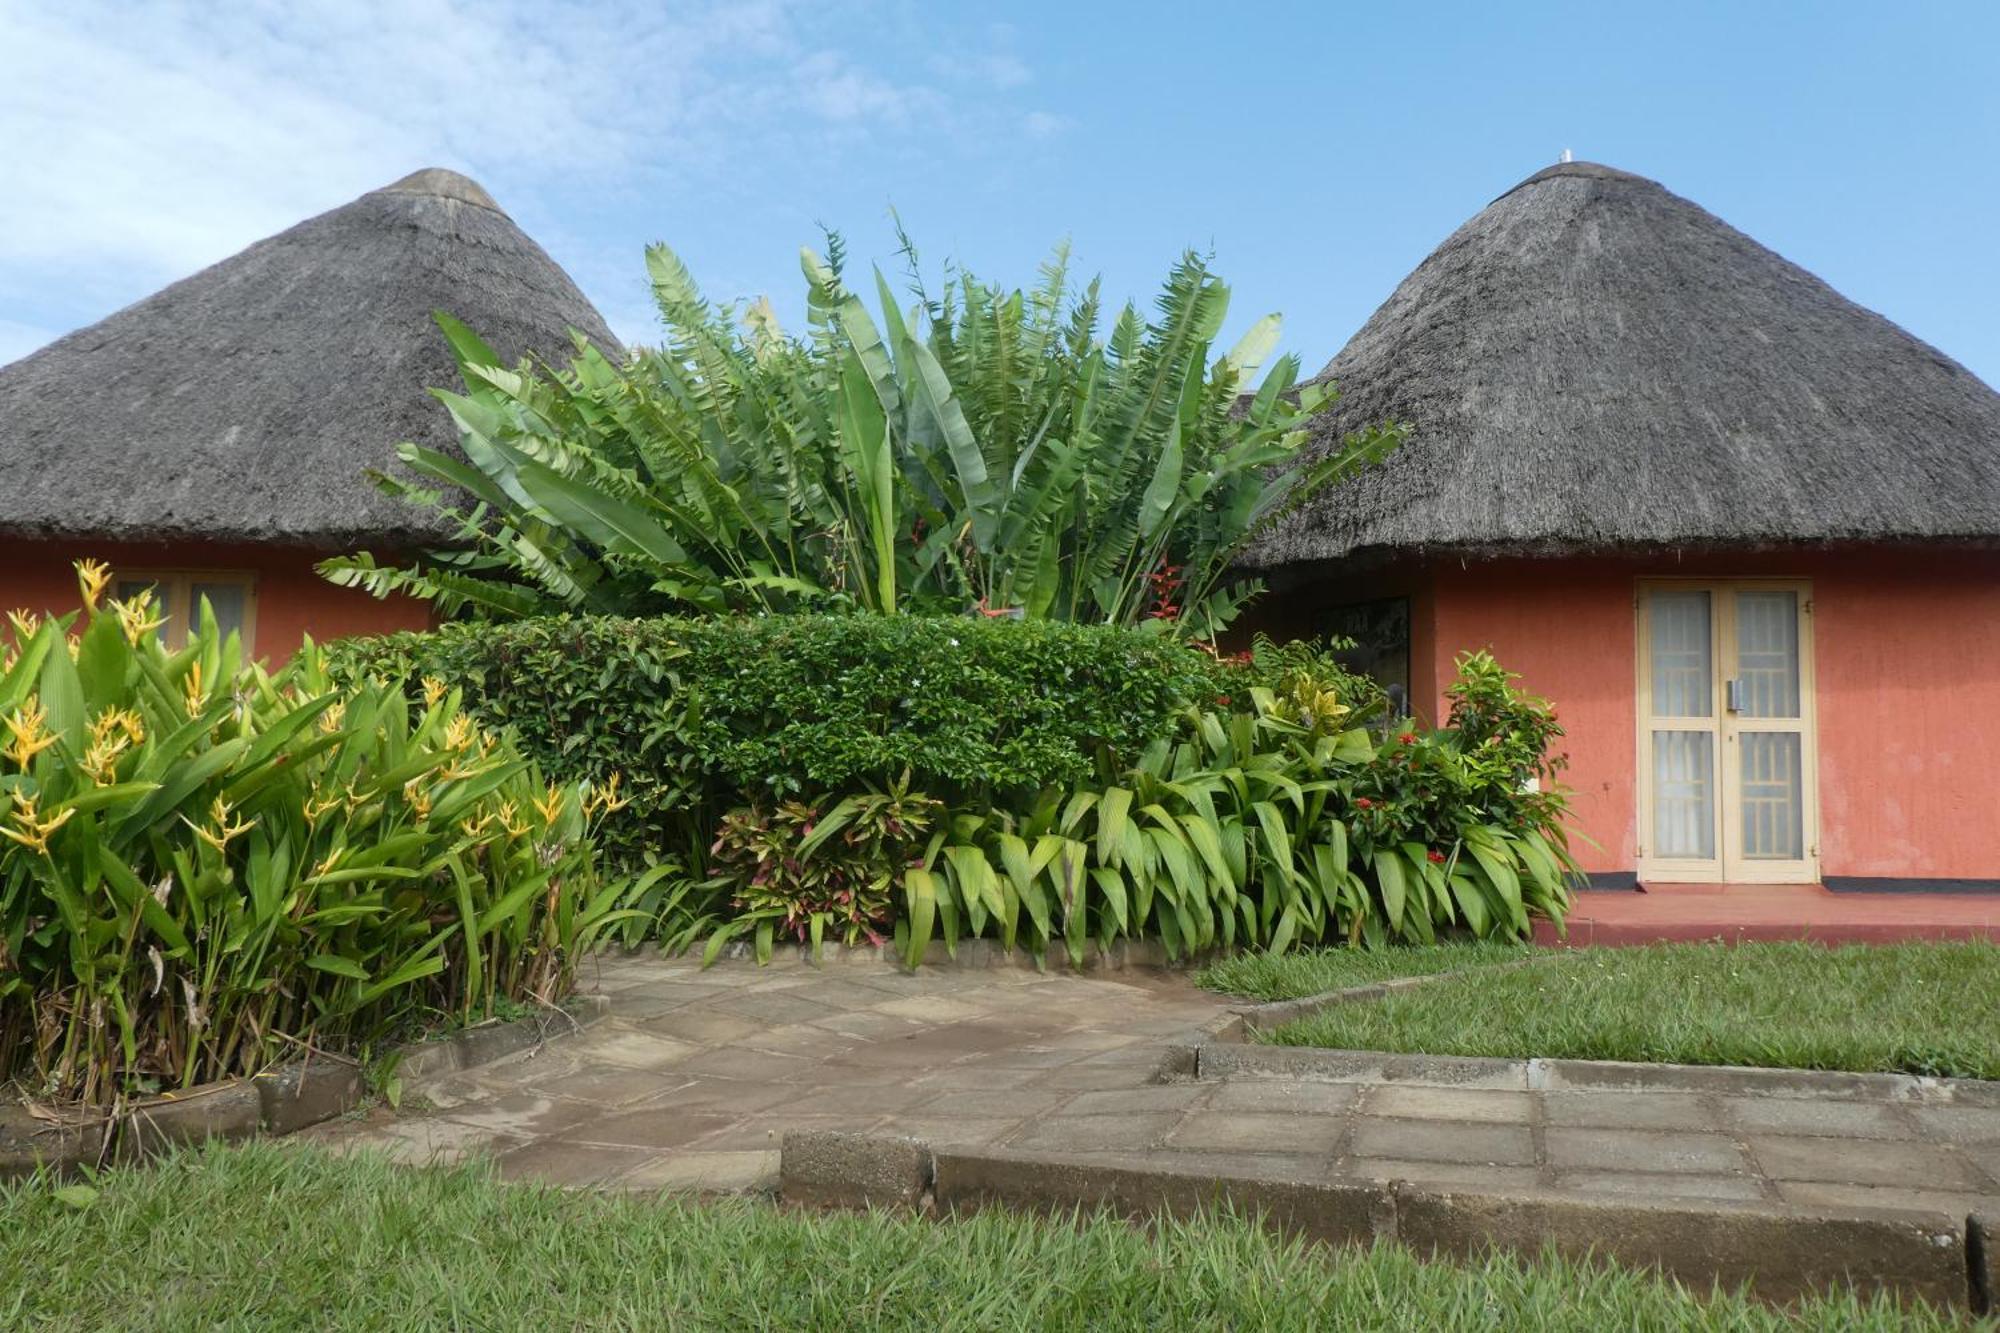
x=1320, y=149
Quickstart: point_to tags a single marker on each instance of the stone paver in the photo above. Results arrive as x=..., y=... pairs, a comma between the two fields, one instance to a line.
x=695, y=1078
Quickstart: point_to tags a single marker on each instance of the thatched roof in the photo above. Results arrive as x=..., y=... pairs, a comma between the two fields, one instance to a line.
x=1593, y=362
x=243, y=403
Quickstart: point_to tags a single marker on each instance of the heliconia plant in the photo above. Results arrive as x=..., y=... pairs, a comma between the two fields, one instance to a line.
x=206, y=866
x=984, y=449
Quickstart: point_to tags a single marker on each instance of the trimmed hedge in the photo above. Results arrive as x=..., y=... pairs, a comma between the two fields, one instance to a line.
x=783, y=704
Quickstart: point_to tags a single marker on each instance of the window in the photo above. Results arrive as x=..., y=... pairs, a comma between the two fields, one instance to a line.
x=179, y=593
x=1380, y=631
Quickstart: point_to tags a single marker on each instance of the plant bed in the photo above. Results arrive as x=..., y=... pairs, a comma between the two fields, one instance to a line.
x=249, y=1238
x=1923, y=1008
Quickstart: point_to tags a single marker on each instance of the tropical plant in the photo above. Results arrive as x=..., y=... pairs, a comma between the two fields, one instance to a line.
x=800, y=870
x=1266, y=824
x=983, y=449
x=207, y=867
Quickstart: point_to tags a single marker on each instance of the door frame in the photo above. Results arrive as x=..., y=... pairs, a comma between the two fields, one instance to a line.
x=1725, y=867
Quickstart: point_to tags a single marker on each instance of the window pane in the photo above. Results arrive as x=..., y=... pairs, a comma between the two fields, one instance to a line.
x=228, y=601
x=1767, y=653
x=1773, y=796
x=1684, y=794
x=1681, y=657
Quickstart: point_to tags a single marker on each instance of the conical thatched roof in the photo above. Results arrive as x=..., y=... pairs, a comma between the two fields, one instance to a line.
x=243, y=403
x=1593, y=362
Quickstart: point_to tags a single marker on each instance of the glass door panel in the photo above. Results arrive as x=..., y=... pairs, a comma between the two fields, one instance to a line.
x=1764, y=721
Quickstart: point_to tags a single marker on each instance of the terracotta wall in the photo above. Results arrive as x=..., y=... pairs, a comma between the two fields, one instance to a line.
x=1907, y=648
x=292, y=600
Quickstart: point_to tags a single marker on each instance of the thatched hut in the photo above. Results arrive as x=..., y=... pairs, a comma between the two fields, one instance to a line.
x=1738, y=528
x=212, y=439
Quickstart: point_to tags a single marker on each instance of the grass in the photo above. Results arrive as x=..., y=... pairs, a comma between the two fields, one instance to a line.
x=1289, y=976
x=272, y=1236
x=1927, y=1008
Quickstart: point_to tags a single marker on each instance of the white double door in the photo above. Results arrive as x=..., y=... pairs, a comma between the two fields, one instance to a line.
x=1727, y=769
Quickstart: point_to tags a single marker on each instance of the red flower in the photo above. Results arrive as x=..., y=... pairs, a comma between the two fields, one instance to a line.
x=1222, y=700
x=1408, y=737
x=1436, y=856
x=1363, y=803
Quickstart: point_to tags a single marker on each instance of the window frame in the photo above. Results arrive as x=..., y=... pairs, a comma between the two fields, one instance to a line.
x=173, y=591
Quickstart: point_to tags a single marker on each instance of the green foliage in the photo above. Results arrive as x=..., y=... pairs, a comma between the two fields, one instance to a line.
x=987, y=448
x=698, y=714
x=799, y=870
x=1251, y=829
x=206, y=866
x=1089, y=782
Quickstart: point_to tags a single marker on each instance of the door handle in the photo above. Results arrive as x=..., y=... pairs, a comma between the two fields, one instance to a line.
x=1734, y=696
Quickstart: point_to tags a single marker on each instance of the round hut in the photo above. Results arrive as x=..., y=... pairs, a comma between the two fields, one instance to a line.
x=1740, y=530
x=213, y=439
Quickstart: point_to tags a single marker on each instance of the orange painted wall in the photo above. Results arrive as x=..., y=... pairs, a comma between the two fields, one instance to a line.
x=1907, y=649
x=292, y=599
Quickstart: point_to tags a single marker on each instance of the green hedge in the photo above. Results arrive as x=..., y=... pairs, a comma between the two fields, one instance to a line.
x=692, y=711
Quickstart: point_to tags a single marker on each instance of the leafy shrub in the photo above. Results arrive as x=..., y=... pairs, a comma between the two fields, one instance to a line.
x=1253, y=827
x=699, y=714
x=799, y=869
x=207, y=867
x=988, y=448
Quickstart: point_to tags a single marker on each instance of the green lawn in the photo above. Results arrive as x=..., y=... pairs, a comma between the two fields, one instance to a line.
x=1915, y=1008
x=1264, y=976
x=279, y=1237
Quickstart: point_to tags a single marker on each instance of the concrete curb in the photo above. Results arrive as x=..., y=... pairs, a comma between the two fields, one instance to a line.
x=274, y=1102
x=1778, y=1254
x=1220, y=1059
x=1268, y=1015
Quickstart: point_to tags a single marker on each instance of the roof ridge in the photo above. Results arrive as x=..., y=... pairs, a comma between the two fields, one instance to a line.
x=444, y=183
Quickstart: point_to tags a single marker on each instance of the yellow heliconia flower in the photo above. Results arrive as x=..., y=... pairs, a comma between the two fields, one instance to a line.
x=136, y=618
x=476, y=828
x=25, y=622
x=509, y=821
x=101, y=760
x=25, y=724
x=93, y=577
x=606, y=799
x=30, y=829
x=458, y=734
x=434, y=691
x=336, y=713
x=332, y=860
x=417, y=798
x=197, y=695
x=314, y=810
x=224, y=832
x=550, y=807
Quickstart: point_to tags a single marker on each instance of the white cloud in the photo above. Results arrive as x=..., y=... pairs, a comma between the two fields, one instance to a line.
x=1042, y=124
x=146, y=140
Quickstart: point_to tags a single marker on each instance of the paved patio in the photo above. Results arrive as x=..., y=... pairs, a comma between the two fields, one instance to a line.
x=694, y=1079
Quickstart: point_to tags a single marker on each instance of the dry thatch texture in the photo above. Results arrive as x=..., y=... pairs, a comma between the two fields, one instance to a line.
x=244, y=402
x=1593, y=362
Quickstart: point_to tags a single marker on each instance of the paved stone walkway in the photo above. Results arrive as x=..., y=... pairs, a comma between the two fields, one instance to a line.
x=694, y=1079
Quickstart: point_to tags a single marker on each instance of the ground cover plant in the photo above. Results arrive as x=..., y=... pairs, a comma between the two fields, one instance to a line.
x=980, y=448
x=1919, y=1008
x=206, y=867
x=1292, y=976
x=363, y=1244
x=1073, y=783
